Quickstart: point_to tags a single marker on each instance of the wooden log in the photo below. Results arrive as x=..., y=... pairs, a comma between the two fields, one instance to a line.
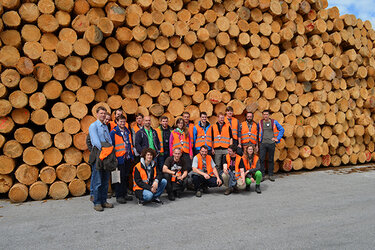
x=47, y=175
x=58, y=190
x=26, y=174
x=83, y=171
x=72, y=156
x=66, y=172
x=38, y=191
x=79, y=141
x=6, y=183
x=42, y=140
x=52, y=156
x=62, y=140
x=77, y=187
x=39, y=117
x=7, y=165
x=18, y=193
x=12, y=148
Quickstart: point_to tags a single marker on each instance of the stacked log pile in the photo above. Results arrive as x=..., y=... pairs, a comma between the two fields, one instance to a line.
x=59, y=60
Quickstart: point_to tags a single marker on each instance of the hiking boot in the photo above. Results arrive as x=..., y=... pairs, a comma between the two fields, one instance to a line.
x=157, y=200
x=107, y=205
x=141, y=202
x=171, y=196
x=98, y=208
x=121, y=200
x=271, y=178
x=247, y=188
x=257, y=189
x=198, y=193
x=228, y=191
x=128, y=197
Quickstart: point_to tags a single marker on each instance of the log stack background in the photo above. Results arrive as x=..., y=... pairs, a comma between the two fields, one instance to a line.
x=59, y=60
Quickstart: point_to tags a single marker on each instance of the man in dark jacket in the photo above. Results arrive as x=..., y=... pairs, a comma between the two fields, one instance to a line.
x=147, y=137
x=164, y=133
x=148, y=181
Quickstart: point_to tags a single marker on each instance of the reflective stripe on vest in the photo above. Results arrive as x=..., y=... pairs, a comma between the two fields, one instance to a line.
x=249, y=135
x=178, y=143
x=247, y=163
x=223, y=139
x=143, y=174
x=203, y=138
x=234, y=126
x=158, y=131
x=237, y=171
x=120, y=149
x=209, y=168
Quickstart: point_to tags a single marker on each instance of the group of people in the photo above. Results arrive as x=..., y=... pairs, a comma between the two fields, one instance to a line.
x=202, y=155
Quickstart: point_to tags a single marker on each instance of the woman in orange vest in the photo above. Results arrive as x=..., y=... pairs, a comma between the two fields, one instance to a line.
x=180, y=138
x=251, y=163
x=233, y=172
x=148, y=181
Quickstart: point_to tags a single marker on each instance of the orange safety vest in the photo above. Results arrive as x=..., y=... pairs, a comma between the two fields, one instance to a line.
x=237, y=171
x=221, y=139
x=158, y=131
x=191, y=130
x=209, y=168
x=202, y=138
x=105, y=151
x=275, y=130
x=234, y=126
x=135, y=127
x=113, y=124
x=247, y=164
x=183, y=143
x=120, y=145
x=143, y=174
x=247, y=135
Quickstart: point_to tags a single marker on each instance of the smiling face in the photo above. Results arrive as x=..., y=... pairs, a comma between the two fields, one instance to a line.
x=101, y=115
x=231, y=153
x=107, y=118
x=121, y=123
x=180, y=124
x=204, y=118
x=250, y=150
x=139, y=120
x=229, y=113
x=203, y=152
x=147, y=122
x=164, y=123
x=177, y=154
x=249, y=117
x=186, y=118
x=148, y=157
x=118, y=113
x=266, y=115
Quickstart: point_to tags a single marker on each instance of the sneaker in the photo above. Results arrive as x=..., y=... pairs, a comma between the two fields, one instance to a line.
x=198, y=193
x=247, y=188
x=257, y=189
x=121, y=200
x=271, y=178
x=171, y=196
x=157, y=200
x=228, y=191
x=98, y=208
x=128, y=197
x=141, y=202
x=107, y=205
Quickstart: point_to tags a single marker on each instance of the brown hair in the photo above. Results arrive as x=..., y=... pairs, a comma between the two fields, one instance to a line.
x=139, y=114
x=246, y=154
x=185, y=128
x=148, y=150
x=101, y=108
x=229, y=108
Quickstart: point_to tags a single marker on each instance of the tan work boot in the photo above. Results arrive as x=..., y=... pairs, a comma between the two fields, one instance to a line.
x=107, y=205
x=98, y=208
x=228, y=191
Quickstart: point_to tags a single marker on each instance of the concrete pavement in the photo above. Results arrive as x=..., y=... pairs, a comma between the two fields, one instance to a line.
x=330, y=209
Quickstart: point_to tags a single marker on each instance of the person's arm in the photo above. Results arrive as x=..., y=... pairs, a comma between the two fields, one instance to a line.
x=190, y=148
x=242, y=171
x=239, y=133
x=225, y=168
x=281, y=130
x=112, y=135
x=94, y=136
x=138, y=141
x=139, y=182
x=218, y=180
x=257, y=167
x=242, y=165
x=183, y=176
x=194, y=136
x=165, y=167
x=213, y=140
x=171, y=138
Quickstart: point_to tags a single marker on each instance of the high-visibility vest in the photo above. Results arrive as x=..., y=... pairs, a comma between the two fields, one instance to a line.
x=113, y=124
x=203, y=138
x=143, y=174
x=237, y=171
x=275, y=130
x=234, y=126
x=182, y=142
x=191, y=130
x=135, y=127
x=158, y=131
x=209, y=168
x=221, y=139
x=247, y=163
x=247, y=135
x=120, y=149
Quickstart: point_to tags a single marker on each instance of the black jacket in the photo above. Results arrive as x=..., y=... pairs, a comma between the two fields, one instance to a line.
x=141, y=140
x=108, y=164
x=143, y=185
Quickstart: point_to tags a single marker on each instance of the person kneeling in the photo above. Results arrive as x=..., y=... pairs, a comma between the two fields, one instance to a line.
x=175, y=172
x=233, y=174
x=204, y=172
x=148, y=181
x=252, y=167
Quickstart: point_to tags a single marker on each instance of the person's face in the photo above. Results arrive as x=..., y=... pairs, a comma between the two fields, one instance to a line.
x=148, y=157
x=221, y=119
x=177, y=154
x=204, y=118
x=186, y=118
x=180, y=124
x=266, y=115
x=139, y=120
x=147, y=121
x=230, y=152
x=101, y=115
x=118, y=113
x=121, y=123
x=250, y=150
x=249, y=117
x=229, y=113
x=164, y=123
x=203, y=152
x=107, y=119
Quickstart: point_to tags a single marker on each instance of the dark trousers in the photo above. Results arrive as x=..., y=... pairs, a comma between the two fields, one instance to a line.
x=263, y=149
x=199, y=181
x=122, y=187
x=187, y=160
x=161, y=159
x=174, y=186
x=100, y=187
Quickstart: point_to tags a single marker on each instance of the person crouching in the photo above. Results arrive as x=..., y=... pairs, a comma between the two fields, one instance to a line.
x=233, y=172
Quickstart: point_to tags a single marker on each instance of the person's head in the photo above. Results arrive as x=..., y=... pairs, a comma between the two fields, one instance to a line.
x=177, y=154
x=249, y=117
x=232, y=150
x=101, y=113
x=266, y=114
x=147, y=122
x=148, y=154
x=220, y=118
x=121, y=121
x=249, y=151
x=164, y=121
x=139, y=119
x=118, y=113
x=180, y=123
x=186, y=117
x=229, y=111
x=203, y=151
x=107, y=118
x=203, y=117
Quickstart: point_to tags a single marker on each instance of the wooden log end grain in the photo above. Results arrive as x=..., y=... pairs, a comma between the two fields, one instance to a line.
x=26, y=174
x=6, y=182
x=58, y=190
x=66, y=172
x=38, y=191
x=18, y=193
x=77, y=187
x=47, y=175
x=83, y=171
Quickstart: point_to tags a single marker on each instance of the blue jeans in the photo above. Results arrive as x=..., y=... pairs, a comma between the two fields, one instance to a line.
x=161, y=160
x=94, y=176
x=99, y=182
x=149, y=196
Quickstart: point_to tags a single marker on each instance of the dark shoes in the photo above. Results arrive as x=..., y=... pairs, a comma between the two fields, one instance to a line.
x=228, y=191
x=177, y=194
x=257, y=189
x=247, y=188
x=107, y=205
x=205, y=190
x=198, y=193
x=271, y=178
x=128, y=197
x=171, y=196
x=157, y=200
x=141, y=202
x=121, y=200
x=98, y=208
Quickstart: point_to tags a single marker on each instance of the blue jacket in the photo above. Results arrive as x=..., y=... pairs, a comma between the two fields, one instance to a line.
x=195, y=132
x=129, y=152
